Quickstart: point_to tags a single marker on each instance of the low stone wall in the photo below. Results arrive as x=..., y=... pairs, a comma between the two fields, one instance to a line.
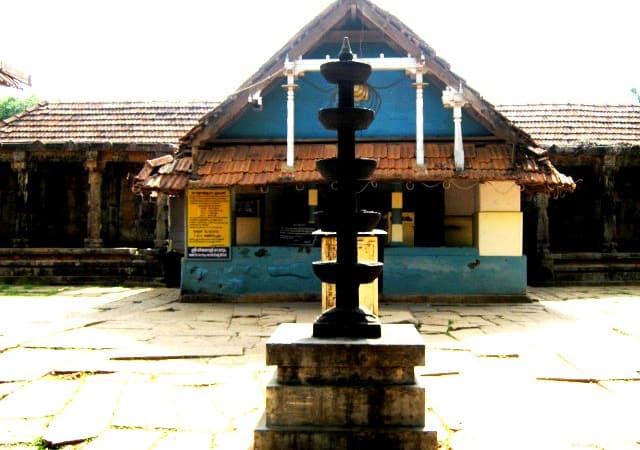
x=103, y=266
x=594, y=268
x=264, y=271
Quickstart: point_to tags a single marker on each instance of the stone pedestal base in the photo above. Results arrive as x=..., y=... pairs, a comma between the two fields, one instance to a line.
x=20, y=243
x=344, y=393
x=93, y=243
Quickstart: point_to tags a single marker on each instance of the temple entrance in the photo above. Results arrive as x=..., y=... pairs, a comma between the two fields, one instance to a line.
x=58, y=204
x=128, y=220
x=8, y=187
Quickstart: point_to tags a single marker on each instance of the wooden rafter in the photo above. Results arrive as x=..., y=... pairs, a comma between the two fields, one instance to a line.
x=13, y=78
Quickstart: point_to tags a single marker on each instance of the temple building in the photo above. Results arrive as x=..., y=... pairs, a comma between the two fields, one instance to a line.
x=452, y=172
x=67, y=210
x=592, y=235
x=477, y=200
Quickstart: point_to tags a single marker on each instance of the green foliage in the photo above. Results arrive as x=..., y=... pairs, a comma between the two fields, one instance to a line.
x=41, y=444
x=10, y=106
x=30, y=290
x=635, y=92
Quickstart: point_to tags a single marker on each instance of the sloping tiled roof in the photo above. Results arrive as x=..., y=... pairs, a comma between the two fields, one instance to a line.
x=395, y=32
x=12, y=78
x=94, y=122
x=573, y=125
x=240, y=165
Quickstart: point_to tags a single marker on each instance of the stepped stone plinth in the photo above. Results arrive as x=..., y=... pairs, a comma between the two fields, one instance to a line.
x=345, y=393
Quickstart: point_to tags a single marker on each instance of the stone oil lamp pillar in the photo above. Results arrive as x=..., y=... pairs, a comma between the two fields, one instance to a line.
x=347, y=318
x=349, y=383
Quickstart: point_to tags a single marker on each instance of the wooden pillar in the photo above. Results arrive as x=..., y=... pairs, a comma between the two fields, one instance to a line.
x=19, y=166
x=543, y=248
x=608, y=205
x=397, y=237
x=94, y=210
x=312, y=201
x=162, y=222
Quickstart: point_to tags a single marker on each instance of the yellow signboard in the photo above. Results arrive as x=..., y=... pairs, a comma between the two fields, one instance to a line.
x=209, y=223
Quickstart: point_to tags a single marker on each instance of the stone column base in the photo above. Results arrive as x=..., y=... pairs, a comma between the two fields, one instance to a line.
x=344, y=393
x=20, y=243
x=93, y=243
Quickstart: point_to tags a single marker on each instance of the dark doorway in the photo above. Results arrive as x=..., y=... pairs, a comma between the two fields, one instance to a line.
x=8, y=188
x=627, y=188
x=575, y=221
x=128, y=220
x=58, y=204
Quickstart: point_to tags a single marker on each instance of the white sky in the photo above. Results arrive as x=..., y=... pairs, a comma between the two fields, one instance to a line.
x=579, y=51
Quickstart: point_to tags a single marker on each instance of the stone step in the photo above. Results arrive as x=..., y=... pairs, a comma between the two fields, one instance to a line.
x=80, y=266
x=110, y=280
x=343, y=438
x=376, y=405
x=303, y=359
x=595, y=268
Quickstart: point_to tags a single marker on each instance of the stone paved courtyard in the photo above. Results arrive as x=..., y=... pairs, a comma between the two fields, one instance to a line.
x=125, y=368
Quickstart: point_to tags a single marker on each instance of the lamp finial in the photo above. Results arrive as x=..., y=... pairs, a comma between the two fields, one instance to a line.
x=345, y=52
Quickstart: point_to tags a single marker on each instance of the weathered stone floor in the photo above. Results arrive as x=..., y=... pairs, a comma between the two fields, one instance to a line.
x=122, y=368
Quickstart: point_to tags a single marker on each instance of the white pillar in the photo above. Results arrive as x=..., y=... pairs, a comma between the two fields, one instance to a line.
x=291, y=86
x=452, y=98
x=458, y=148
x=419, y=85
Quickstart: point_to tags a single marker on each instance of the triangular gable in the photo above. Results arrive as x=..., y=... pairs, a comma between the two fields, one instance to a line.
x=328, y=28
x=390, y=93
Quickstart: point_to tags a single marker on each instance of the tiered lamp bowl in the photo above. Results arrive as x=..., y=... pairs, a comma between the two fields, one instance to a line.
x=347, y=318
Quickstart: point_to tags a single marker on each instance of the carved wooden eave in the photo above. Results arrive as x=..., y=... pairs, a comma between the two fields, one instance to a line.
x=321, y=29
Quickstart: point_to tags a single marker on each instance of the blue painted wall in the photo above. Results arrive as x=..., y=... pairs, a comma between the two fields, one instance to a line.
x=253, y=270
x=452, y=271
x=407, y=271
x=395, y=114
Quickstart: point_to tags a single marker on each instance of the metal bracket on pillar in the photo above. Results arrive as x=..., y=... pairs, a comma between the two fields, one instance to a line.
x=452, y=98
x=290, y=87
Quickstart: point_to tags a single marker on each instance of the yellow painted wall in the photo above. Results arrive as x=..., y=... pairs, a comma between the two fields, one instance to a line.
x=396, y=200
x=499, y=233
x=408, y=228
x=498, y=196
x=247, y=231
x=312, y=197
x=397, y=232
x=458, y=231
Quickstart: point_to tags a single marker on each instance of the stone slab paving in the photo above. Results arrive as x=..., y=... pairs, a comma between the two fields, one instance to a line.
x=88, y=413
x=40, y=398
x=103, y=368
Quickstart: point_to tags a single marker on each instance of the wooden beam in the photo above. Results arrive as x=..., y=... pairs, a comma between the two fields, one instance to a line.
x=355, y=36
x=12, y=77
